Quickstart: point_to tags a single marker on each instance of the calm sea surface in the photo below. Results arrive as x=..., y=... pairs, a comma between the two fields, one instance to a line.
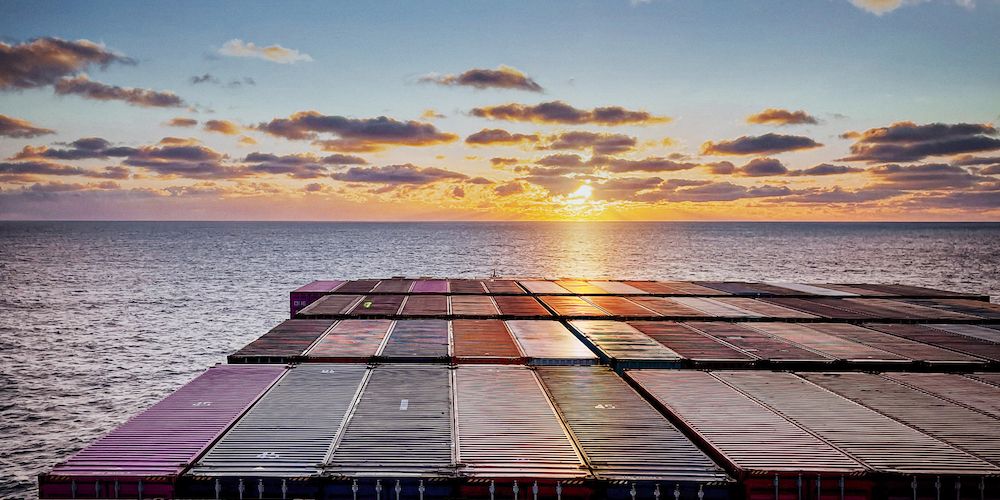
x=100, y=320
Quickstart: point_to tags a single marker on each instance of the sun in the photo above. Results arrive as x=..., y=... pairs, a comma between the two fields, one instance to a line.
x=581, y=195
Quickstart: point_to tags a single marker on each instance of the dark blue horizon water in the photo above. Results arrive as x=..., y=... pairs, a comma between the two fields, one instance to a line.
x=99, y=320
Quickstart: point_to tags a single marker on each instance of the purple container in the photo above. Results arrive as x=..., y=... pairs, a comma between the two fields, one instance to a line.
x=144, y=456
x=305, y=295
x=430, y=286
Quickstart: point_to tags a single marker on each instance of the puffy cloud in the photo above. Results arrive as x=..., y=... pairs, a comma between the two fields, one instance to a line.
x=761, y=144
x=509, y=188
x=991, y=170
x=398, y=175
x=651, y=164
x=273, y=53
x=206, y=78
x=762, y=167
x=457, y=192
x=825, y=169
x=958, y=200
x=499, y=162
x=356, y=134
x=969, y=160
x=907, y=141
x=222, y=127
x=43, y=61
x=181, y=122
x=599, y=143
x=712, y=191
x=777, y=116
x=556, y=185
x=503, y=77
x=62, y=187
x=560, y=112
x=721, y=168
x=89, y=89
x=624, y=188
x=838, y=194
x=212, y=79
x=27, y=169
x=431, y=114
x=299, y=166
x=498, y=136
x=80, y=149
x=932, y=176
x=174, y=157
x=20, y=129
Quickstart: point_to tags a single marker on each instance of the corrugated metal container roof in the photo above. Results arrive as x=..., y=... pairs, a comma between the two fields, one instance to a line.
x=351, y=339
x=473, y=305
x=989, y=378
x=620, y=306
x=942, y=338
x=621, y=342
x=378, y=305
x=417, y=339
x=961, y=390
x=739, y=288
x=668, y=307
x=759, y=344
x=833, y=346
x=761, y=308
x=549, y=342
x=976, y=308
x=618, y=287
x=690, y=288
x=425, y=305
x=503, y=286
x=896, y=345
x=466, y=286
x=822, y=310
x=876, y=440
x=960, y=427
x=715, y=308
x=720, y=416
x=542, y=286
x=571, y=306
x=864, y=292
x=581, y=287
x=290, y=430
x=289, y=339
x=330, y=305
x=622, y=437
x=689, y=342
x=812, y=289
x=320, y=286
x=908, y=290
x=506, y=426
x=430, y=286
x=520, y=306
x=358, y=286
x=393, y=286
x=483, y=340
x=402, y=425
x=976, y=332
x=888, y=308
x=166, y=438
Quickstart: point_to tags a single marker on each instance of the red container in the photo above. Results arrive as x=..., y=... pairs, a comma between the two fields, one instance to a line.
x=425, y=305
x=503, y=286
x=668, y=307
x=831, y=309
x=430, y=286
x=378, y=305
x=305, y=295
x=358, y=286
x=330, y=306
x=830, y=345
x=473, y=305
x=940, y=338
x=759, y=344
x=762, y=308
x=284, y=342
x=571, y=306
x=620, y=306
x=466, y=286
x=483, y=341
x=394, y=285
x=351, y=340
x=919, y=351
x=691, y=343
x=520, y=307
x=581, y=287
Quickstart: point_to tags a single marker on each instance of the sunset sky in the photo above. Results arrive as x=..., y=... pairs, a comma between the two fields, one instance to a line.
x=596, y=110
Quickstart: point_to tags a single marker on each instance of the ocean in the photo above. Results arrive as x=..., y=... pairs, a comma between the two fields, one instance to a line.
x=99, y=320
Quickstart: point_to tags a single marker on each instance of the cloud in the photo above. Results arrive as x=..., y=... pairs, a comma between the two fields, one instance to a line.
x=181, y=122
x=225, y=127
x=62, y=187
x=991, y=170
x=273, y=53
x=457, y=192
x=356, y=134
x=761, y=144
x=624, y=188
x=508, y=188
x=825, y=169
x=431, y=114
x=299, y=166
x=907, y=141
x=85, y=87
x=651, y=164
x=560, y=112
x=555, y=185
x=498, y=162
x=504, y=77
x=932, y=176
x=398, y=175
x=969, y=160
x=838, y=194
x=777, y=116
x=174, y=157
x=713, y=191
x=762, y=167
x=43, y=61
x=212, y=79
x=80, y=149
x=25, y=169
x=721, y=168
x=879, y=7
x=599, y=143
x=20, y=129
x=959, y=200
x=206, y=78
x=498, y=136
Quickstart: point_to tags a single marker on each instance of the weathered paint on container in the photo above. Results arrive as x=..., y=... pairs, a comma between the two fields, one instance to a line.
x=284, y=342
x=288, y=433
x=425, y=305
x=483, y=341
x=401, y=426
x=618, y=287
x=622, y=437
x=330, y=305
x=691, y=343
x=473, y=305
x=520, y=306
x=395, y=285
x=573, y=307
x=417, y=340
x=622, y=344
x=668, y=307
x=918, y=351
x=620, y=306
x=775, y=446
x=503, y=286
x=759, y=344
x=466, y=286
x=152, y=449
x=974, y=331
x=430, y=286
x=543, y=286
x=941, y=338
x=350, y=340
x=833, y=346
x=532, y=443
x=378, y=305
x=549, y=342
x=964, y=391
x=307, y=294
x=976, y=308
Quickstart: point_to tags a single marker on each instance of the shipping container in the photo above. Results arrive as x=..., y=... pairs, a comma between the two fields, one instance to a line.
x=520, y=306
x=911, y=291
x=506, y=426
x=358, y=286
x=961, y=390
x=549, y=343
x=919, y=351
x=395, y=285
x=401, y=426
x=543, y=286
x=807, y=289
x=581, y=287
x=656, y=287
x=966, y=429
x=618, y=287
x=746, y=289
x=862, y=292
x=719, y=416
x=503, y=287
x=621, y=436
x=623, y=345
x=305, y=295
x=941, y=338
x=430, y=286
x=473, y=305
x=830, y=345
x=571, y=306
x=691, y=343
x=284, y=342
x=425, y=305
x=484, y=341
x=379, y=305
x=759, y=344
x=350, y=340
x=875, y=440
x=763, y=309
x=417, y=340
x=466, y=286
x=620, y=306
x=974, y=308
x=897, y=309
x=989, y=378
x=144, y=456
x=715, y=308
x=974, y=331
x=330, y=305
x=822, y=310
x=668, y=307
x=289, y=431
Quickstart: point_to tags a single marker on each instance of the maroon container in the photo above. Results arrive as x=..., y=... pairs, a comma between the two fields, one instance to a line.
x=484, y=341
x=690, y=343
x=473, y=305
x=430, y=286
x=571, y=306
x=425, y=305
x=305, y=295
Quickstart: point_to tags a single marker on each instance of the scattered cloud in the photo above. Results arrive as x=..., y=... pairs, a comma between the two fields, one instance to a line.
x=273, y=53
x=20, y=129
x=931, y=176
x=907, y=141
x=778, y=116
x=299, y=166
x=175, y=157
x=89, y=89
x=825, y=169
x=489, y=136
x=839, y=195
x=504, y=77
x=80, y=149
x=599, y=143
x=392, y=176
x=761, y=144
x=762, y=167
x=702, y=191
x=562, y=113
x=355, y=134
x=431, y=114
x=651, y=164
x=181, y=122
x=212, y=79
x=509, y=188
x=43, y=61
x=880, y=7
x=224, y=127
x=25, y=169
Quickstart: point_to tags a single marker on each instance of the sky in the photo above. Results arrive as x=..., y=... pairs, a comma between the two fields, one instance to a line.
x=843, y=110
